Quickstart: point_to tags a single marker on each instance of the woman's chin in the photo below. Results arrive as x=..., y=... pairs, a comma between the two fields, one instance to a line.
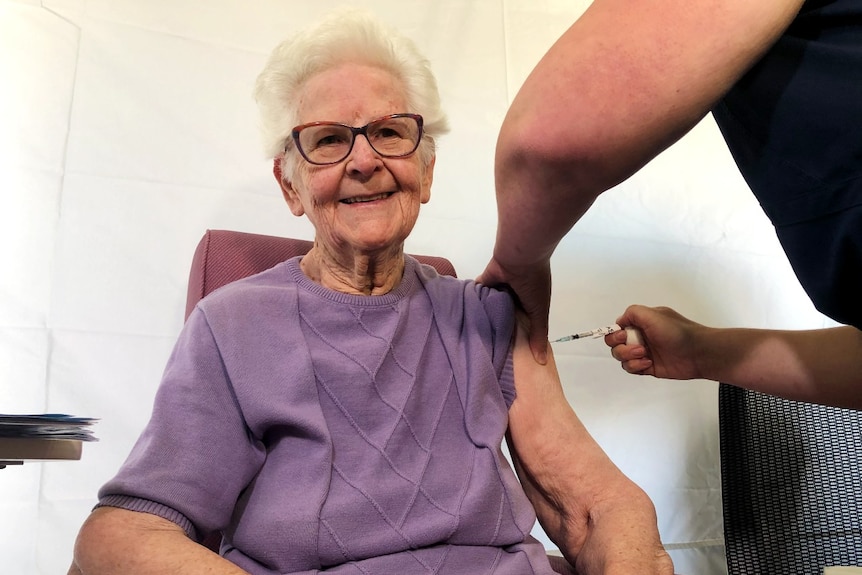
x=374, y=237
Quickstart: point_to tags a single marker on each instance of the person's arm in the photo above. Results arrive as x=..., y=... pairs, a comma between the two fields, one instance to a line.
x=196, y=424
x=601, y=520
x=818, y=366
x=114, y=540
x=627, y=79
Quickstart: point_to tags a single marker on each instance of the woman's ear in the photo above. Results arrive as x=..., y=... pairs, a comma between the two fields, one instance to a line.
x=287, y=190
x=427, y=179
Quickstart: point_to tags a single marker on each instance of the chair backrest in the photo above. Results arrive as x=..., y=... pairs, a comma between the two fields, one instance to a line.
x=791, y=475
x=223, y=256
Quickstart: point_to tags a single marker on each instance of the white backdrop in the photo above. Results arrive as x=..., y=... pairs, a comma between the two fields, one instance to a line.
x=127, y=128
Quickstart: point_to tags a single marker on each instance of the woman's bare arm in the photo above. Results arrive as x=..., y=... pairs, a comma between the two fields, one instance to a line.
x=601, y=520
x=819, y=366
x=628, y=79
x=115, y=541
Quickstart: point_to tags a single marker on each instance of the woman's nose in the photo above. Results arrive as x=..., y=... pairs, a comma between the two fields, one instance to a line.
x=363, y=158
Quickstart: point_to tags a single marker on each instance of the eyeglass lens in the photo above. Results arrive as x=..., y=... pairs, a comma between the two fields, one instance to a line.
x=328, y=143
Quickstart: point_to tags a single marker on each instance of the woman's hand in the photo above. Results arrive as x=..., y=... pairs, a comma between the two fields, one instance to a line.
x=815, y=365
x=670, y=348
x=531, y=287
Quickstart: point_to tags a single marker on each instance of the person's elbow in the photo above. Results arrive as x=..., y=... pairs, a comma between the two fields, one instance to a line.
x=111, y=536
x=530, y=136
x=96, y=541
x=549, y=150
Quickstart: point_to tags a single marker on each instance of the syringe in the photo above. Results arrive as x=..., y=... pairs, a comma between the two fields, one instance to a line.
x=633, y=334
x=594, y=333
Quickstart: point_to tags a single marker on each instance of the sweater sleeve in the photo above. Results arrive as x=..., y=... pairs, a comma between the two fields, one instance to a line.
x=501, y=314
x=196, y=454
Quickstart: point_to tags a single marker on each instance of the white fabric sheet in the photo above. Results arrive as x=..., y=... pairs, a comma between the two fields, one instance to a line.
x=127, y=128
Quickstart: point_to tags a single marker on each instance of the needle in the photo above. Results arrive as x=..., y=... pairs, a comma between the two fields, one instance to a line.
x=594, y=333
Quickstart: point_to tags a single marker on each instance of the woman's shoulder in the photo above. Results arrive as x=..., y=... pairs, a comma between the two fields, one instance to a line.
x=275, y=281
x=466, y=291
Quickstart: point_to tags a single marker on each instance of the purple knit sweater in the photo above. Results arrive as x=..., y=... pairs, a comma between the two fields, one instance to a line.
x=326, y=431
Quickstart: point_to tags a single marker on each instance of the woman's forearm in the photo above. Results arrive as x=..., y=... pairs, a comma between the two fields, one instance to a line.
x=119, y=542
x=599, y=518
x=821, y=366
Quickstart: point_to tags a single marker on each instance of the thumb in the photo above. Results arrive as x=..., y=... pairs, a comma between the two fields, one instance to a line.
x=538, y=331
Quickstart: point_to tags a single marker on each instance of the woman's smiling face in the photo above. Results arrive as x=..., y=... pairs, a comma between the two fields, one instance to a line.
x=366, y=203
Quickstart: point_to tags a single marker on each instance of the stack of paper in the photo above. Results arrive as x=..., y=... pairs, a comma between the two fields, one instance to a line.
x=47, y=426
x=42, y=437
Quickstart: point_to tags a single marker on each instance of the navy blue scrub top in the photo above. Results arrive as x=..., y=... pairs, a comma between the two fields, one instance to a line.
x=793, y=124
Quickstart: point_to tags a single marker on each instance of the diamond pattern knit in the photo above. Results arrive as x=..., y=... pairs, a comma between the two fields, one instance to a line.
x=353, y=434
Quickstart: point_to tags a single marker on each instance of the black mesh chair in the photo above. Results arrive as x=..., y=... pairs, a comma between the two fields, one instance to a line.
x=791, y=475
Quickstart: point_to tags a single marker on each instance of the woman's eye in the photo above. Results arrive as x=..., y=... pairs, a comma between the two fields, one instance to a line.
x=329, y=140
x=386, y=133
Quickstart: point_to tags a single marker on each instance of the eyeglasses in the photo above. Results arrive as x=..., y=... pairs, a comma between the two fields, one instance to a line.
x=325, y=143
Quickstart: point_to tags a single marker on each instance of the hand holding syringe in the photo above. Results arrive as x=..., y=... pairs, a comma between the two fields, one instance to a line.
x=633, y=334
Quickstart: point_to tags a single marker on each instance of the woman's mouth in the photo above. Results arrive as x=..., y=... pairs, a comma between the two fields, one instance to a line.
x=364, y=199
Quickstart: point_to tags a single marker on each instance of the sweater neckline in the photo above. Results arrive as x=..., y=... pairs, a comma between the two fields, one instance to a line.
x=408, y=280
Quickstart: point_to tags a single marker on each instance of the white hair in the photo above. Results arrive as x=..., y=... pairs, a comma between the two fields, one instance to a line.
x=345, y=36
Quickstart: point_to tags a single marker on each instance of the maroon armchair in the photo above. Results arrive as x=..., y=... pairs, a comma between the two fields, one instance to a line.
x=223, y=256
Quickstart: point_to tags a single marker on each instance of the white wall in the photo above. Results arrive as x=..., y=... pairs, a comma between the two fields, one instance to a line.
x=127, y=128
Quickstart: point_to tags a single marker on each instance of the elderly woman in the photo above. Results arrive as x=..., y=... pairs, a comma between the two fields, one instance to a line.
x=344, y=411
